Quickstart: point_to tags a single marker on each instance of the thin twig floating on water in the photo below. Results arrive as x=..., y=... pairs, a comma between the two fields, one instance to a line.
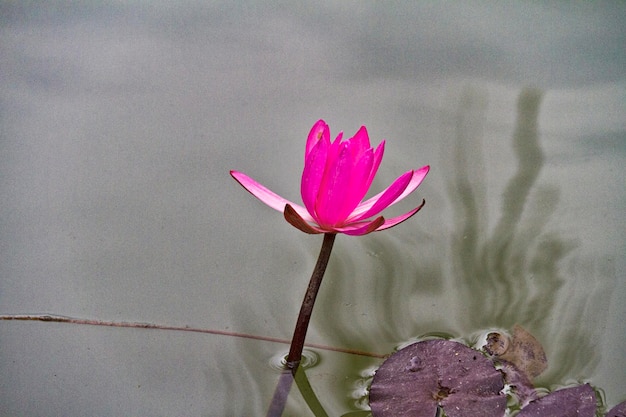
x=135, y=325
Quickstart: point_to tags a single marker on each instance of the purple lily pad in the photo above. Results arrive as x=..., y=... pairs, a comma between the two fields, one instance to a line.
x=618, y=411
x=577, y=401
x=437, y=373
x=519, y=382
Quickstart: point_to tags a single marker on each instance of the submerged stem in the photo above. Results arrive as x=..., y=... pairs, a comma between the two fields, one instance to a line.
x=279, y=400
x=299, y=334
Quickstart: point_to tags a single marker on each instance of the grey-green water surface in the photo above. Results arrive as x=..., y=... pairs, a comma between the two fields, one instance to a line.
x=120, y=122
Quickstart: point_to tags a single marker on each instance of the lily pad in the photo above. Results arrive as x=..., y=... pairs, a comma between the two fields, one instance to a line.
x=577, y=401
x=521, y=387
x=418, y=379
x=618, y=411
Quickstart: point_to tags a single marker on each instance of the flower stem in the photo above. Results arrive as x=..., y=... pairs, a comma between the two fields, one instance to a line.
x=299, y=334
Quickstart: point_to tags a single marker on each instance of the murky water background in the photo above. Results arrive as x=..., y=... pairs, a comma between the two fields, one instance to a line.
x=120, y=122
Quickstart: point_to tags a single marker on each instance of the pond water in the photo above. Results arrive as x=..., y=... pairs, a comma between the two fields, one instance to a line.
x=120, y=123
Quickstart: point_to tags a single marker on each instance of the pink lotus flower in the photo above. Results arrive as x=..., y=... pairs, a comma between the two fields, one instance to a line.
x=336, y=177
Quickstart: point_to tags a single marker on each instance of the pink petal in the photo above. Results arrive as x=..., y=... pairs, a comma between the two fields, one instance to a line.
x=378, y=157
x=313, y=174
x=416, y=180
x=360, y=142
x=267, y=196
x=358, y=186
x=298, y=222
x=397, y=220
x=334, y=150
x=335, y=187
x=388, y=196
x=319, y=131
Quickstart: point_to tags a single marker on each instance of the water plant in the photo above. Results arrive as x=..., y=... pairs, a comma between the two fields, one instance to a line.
x=336, y=177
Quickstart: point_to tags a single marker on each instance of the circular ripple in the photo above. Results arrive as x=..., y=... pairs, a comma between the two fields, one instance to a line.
x=278, y=362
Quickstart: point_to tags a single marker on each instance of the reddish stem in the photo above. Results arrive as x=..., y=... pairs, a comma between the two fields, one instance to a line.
x=299, y=334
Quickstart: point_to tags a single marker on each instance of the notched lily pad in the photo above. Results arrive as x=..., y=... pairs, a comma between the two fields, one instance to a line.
x=437, y=373
x=521, y=386
x=577, y=401
x=618, y=411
